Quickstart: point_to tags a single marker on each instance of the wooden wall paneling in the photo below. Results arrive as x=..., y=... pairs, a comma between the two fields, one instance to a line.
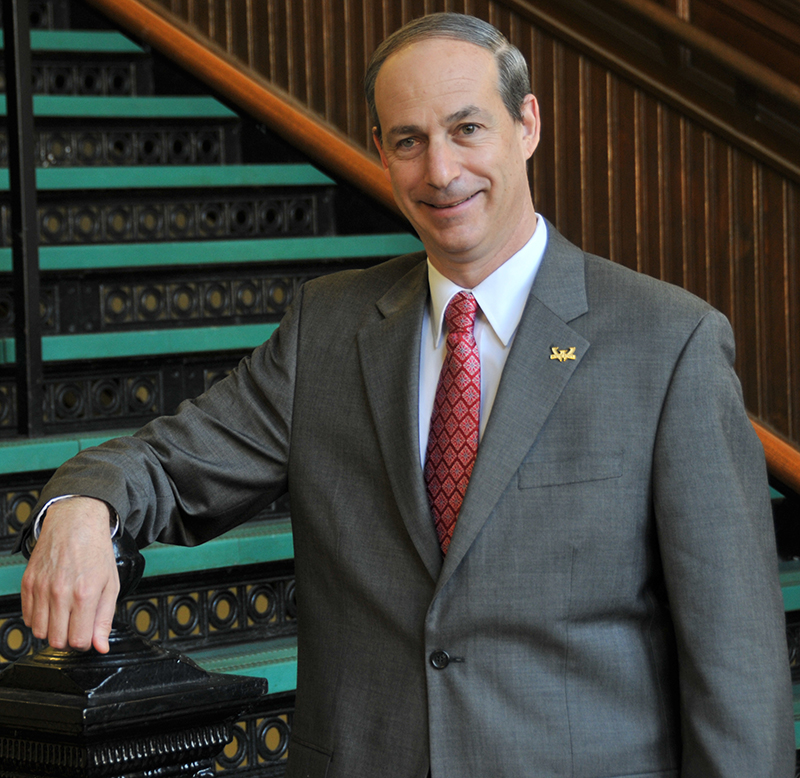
x=278, y=40
x=696, y=209
x=356, y=66
x=774, y=344
x=199, y=15
x=753, y=28
x=717, y=237
x=792, y=271
x=338, y=91
x=746, y=312
x=314, y=62
x=647, y=195
x=541, y=167
x=606, y=164
x=624, y=207
x=568, y=125
x=238, y=26
x=590, y=149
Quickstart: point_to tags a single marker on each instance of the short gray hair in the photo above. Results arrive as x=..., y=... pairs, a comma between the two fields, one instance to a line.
x=514, y=79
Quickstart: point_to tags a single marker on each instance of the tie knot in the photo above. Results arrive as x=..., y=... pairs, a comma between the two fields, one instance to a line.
x=460, y=313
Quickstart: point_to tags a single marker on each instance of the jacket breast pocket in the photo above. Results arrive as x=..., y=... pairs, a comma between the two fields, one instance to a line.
x=585, y=467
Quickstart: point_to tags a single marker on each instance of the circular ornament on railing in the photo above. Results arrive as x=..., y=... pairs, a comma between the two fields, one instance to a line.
x=90, y=81
x=272, y=739
x=184, y=301
x=150, y=221
x=208, y=148
x=89, y=149
x=183, y=616
x=179, y=145
x=19, y=509
x=242, y=218
x=223, y=610
x=16, y=639
x=181, y=220
x=119, y=81
x=248, y=297
x=212, y=218
x=106, y=399
x=235, y=751
x=261, y=602
x=151, y=303
x=271, y=217
x=150, y=145
x=215, y=299
x=142, y=396
x=144, y=619
x=70, y=401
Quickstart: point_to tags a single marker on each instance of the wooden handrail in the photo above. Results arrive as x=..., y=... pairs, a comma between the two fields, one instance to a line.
x=252, y=93
x=783, y=460
x=740, y=64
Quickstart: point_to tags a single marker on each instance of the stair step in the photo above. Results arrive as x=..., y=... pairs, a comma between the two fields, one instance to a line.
x=183, y=177
x=118, y=107
x=790, y=584
x=247, y=544
x=256, y=543
x=101, y=345
x=81, y=42
x=275, y=660
x=21, y=455
x=104, y=256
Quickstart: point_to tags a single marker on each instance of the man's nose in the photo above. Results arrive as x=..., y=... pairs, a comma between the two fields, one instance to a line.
x=443, y=164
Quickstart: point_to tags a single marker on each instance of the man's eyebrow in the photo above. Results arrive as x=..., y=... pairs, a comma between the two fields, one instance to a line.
x=404, y=129
x=467, y=112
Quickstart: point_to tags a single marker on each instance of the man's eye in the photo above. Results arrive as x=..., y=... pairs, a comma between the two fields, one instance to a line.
x=469, y=129
x=406, y=143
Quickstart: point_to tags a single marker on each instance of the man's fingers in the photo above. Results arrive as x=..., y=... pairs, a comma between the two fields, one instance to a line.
x=105, y=616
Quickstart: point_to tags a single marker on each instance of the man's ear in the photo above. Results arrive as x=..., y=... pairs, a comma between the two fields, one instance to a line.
x=376, y=139
x=531, y=126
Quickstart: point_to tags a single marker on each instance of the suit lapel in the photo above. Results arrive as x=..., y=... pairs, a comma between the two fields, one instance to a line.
x=531, y=384
x=389, y=354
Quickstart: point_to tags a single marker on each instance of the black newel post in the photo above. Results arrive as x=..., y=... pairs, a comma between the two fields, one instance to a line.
x=138, y=711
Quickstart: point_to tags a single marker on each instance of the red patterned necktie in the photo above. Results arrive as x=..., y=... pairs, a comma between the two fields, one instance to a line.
x=455, y=421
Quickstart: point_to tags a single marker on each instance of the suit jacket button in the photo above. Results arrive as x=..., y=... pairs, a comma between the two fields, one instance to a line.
x=440, y=659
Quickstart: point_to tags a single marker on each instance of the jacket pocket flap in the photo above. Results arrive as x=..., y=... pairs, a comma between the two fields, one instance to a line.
x=586, y=467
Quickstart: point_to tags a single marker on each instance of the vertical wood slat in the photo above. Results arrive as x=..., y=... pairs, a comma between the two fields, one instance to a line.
x=618, y=170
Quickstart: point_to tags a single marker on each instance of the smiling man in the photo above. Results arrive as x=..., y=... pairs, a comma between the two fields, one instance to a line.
x=531, y=522
x=456, y=157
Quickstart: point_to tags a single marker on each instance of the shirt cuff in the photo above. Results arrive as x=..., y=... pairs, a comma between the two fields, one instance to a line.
x=37, y=522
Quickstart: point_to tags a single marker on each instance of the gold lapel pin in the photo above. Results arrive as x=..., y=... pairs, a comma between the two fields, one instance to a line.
x=562, y=354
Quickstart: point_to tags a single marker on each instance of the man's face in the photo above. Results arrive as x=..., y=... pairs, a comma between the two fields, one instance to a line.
x=454, y=155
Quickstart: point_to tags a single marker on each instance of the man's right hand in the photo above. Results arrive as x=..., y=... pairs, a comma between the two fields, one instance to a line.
x=70, y=586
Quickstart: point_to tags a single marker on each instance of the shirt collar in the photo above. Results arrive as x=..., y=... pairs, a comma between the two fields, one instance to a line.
x=501, y=295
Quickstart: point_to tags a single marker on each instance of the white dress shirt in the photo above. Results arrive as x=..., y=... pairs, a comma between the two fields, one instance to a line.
x=501, y=298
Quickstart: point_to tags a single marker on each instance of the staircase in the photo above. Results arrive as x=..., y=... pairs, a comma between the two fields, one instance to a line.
x=173, y=234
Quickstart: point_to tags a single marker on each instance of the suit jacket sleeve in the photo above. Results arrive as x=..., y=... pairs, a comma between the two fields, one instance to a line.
x=717, y=545
x=186, y=478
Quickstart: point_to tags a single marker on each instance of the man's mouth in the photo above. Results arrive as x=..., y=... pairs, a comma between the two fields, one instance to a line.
x=452, y=204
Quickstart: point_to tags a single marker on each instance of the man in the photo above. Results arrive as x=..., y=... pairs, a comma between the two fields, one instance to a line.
x=593, y=594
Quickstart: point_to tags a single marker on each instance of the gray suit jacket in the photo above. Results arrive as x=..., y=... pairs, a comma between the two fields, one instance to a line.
x=609, y=603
